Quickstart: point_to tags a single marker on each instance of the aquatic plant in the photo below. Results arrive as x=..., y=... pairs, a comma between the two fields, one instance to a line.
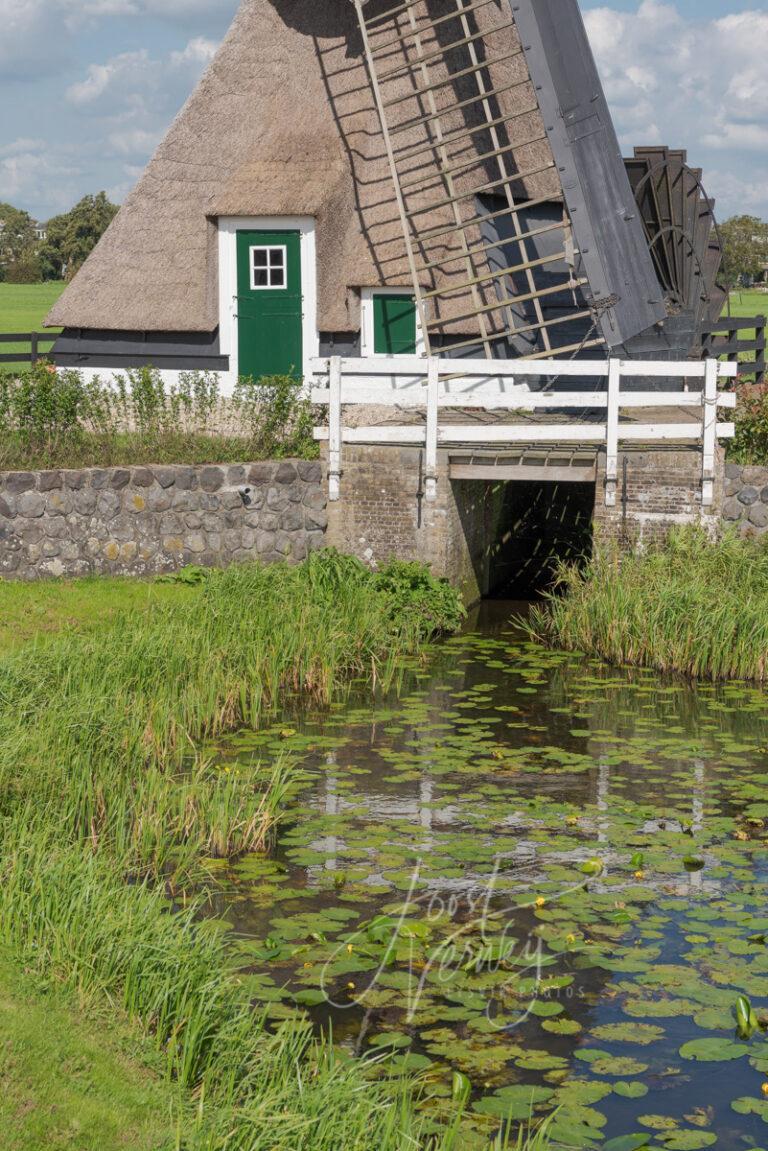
x=689, y=605
x=106, y=726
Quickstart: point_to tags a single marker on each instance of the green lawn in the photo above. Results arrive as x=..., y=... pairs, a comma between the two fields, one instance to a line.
x=749, y=303
x=23, y=307
x=31, y=612
x=72, y=1081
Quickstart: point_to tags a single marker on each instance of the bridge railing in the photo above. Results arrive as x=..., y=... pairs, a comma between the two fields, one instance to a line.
x=433, y=385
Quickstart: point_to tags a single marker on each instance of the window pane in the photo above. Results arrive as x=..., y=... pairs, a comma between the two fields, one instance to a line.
x=260, y=278
x=277, y=278
x=277, y=257
x=259, y=258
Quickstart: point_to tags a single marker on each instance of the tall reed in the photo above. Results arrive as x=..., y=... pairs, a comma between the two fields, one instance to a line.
x=689, y=605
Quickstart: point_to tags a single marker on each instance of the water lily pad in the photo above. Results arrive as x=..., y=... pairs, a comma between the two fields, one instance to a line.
x=713, y=1050
x=630, y=1090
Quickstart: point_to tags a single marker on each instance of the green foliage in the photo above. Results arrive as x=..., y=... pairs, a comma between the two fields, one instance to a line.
x=413, y=592
x=689, y=605
x=73, y=235
x=745, y=249
x=17, y=246
x=58, y=419
x=750, y=444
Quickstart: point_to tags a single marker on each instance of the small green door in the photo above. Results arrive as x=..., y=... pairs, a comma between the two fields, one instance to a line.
x=269, y=304
x=394, y=325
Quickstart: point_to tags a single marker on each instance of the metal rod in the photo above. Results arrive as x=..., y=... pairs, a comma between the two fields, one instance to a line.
x=473, y=163
x=449, y=79
x=428, y=27
x=497, y=274
x=442, y=52
x=417, y=121
x=393, y=169
x=468, y=195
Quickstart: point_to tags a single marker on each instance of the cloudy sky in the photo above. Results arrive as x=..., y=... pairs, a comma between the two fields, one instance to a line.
x=87, y=88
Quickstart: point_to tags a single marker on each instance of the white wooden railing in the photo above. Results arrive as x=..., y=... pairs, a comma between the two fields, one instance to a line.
x=434, y=384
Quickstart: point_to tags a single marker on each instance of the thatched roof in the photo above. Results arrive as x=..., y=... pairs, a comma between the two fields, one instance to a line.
x=283, y=123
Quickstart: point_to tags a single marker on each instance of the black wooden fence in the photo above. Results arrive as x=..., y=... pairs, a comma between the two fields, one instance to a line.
x=724, y=339
x=29, y=340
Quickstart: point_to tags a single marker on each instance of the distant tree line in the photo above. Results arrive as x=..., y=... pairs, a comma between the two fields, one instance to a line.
x=745, y=251
x=27, y=257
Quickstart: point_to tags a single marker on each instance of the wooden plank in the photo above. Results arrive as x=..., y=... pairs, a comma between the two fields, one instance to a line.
x=433, y=384
x=524, y=433
x=709, y=447
x=16, y=358
x=612, y=433
x=26, y=337
x=334, y=431
x=417, y=365
x=519, y=399
x=533, y=473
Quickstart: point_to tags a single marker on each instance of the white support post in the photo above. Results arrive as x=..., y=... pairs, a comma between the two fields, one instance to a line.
x=709, y=423
x=433, y=388
x=334, y=429
x=612, y=433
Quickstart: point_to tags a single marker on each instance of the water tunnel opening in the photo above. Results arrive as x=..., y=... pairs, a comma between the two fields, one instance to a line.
x=534, y=525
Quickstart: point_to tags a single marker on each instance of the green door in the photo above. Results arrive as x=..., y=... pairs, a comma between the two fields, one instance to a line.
x=269, y=304
x=394, y=325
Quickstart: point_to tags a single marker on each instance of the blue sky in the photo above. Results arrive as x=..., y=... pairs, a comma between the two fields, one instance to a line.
x=88, y=87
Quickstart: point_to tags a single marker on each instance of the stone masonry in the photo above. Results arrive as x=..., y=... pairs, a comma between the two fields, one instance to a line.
x=148, y=520
x=746, y=499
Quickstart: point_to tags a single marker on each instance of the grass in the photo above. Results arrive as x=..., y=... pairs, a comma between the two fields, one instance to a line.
x=34, y=613
x=23, y=307
x=100, y=782
x=691, y=605
x=71, y=1079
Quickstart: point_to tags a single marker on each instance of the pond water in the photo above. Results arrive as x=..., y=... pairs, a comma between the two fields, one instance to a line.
x=544, y=874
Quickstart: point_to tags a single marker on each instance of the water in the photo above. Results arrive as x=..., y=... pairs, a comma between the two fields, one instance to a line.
x=547, y=875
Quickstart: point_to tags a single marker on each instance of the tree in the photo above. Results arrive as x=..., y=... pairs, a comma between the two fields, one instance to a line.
x=745, y=244
x=73, y=236
x=17, y=245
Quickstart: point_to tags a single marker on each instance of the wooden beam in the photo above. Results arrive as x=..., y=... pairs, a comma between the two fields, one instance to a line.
x=534, y=473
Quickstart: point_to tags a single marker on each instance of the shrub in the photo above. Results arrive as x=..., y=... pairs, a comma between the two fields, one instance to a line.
x=750, y=445
x=57, y=419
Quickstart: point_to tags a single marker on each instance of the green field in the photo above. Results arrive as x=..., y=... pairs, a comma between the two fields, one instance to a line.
x=749, y=303
x=23, y=307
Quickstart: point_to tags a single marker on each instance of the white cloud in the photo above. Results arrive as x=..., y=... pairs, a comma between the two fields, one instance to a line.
x=696, y=84
x=29, y=172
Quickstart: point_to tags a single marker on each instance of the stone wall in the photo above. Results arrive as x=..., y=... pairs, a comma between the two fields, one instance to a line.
x=746, y=499
x=147, y=520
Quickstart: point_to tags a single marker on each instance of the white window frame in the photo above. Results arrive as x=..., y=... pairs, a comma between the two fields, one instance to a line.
x=268, y=267
x=228, y=227
x=367, y=332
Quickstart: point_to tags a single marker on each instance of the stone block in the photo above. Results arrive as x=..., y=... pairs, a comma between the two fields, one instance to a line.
x=31, y=533
x=291, y=520
x=265, y=542
x=283, y=543
x=286, y=473
x=260, y=473
x=166, y=477
x=210, y=502
x=173, y=544
x=758, y=515
x=112, y=550
x=233, y=539
x=30, y=504
x=49, y=481
x=237, y=475
x=119, y=479
x=171, y=524
x=99, y=479
x=733, y=471
x=184, y=501
x=314, y=498
x=50, y=548
x=211, y=479
x=128, y=550
x=7, y=508
x=142, y=478
x=18, y=482
x=59, y=503
x=135, y=502
x=55, y=527
x=186, y=479
x=107, y=505
x=310, y=471
x=85, y=502
x=158, y=501
x=315, y=518
x=214, y=543
x=75, y=480
x=193, y=520
x=231, y=501
x=195, y=542
x=299, y=547
x=748, y=496
x=277, y=500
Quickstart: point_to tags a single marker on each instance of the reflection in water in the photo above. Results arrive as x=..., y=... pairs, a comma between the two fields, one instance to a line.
x=535, y=870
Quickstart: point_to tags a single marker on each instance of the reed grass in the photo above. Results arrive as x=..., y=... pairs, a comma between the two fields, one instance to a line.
x=108, y=725
x=689, y=605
